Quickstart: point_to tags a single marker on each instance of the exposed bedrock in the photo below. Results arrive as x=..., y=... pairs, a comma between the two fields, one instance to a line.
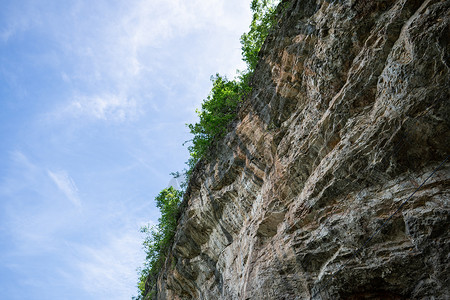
x=349, y=115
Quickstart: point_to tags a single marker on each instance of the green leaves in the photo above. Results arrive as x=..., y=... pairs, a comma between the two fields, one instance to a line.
x=221, y=105
x=168, y=201
x=218, y=110
x=159, y=237
x=264, y=18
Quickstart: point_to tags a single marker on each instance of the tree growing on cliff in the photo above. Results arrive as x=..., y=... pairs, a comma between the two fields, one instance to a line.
x=263, y=19
x=221, y=105
x=217, y=111
x=158, y=238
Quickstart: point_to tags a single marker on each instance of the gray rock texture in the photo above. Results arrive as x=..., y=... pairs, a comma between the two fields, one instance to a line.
x=349, y=115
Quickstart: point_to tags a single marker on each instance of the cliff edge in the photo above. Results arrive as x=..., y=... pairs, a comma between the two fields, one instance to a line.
x=348, y=122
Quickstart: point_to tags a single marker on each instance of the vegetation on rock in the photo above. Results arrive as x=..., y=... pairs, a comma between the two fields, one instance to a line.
x=217, y=112
x=220, y=107
x=158, y=239
x=263, y=19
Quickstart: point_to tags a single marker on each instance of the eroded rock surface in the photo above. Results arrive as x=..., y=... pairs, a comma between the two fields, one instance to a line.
x=349, y=115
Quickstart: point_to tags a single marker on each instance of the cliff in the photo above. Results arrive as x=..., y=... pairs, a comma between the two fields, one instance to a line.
x=348, y=122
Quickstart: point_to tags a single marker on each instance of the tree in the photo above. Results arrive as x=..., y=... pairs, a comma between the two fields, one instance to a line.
x=221, y=105
x=264, y=18
x=218, y=110
x=159, y=238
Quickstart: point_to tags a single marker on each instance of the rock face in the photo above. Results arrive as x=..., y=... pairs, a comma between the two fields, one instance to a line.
x=349, y=115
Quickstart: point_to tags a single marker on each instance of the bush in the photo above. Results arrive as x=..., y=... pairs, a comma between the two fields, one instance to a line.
x=220, y=107
x=159, y=238
x=218, y=110
x=263, y=19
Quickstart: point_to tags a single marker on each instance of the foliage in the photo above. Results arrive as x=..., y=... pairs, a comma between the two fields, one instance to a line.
x=218, y=109
x=263, y=19
x=158, y=238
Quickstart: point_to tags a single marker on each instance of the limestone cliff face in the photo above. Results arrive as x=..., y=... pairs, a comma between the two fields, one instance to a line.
x=349, y=115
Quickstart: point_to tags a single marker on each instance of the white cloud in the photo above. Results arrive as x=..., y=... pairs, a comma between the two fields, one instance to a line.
x=106, y=107
x=66, y=185
x=21, y=159
x=5, y=34
x=153, y=23
x=109, y=270
x=130, y=49
x=30, y=213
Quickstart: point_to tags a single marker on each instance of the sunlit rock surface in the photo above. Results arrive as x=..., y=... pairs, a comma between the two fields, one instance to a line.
x=349, y=115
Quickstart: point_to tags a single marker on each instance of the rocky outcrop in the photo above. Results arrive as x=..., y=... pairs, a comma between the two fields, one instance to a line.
x=348, y=119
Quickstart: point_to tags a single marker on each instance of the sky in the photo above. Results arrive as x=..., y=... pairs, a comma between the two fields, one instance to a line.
x=94, y=98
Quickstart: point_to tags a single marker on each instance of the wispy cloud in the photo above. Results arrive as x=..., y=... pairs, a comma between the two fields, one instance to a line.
x=21, y=174
x=108, y=107
x=29, y=210
x=19, y=158
x=141, y=48
x=152, y=23
x=66, y=185
x=6, y=33
x=109, y=269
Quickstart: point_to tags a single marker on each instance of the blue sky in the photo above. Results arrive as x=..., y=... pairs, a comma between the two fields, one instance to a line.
x=94, y=98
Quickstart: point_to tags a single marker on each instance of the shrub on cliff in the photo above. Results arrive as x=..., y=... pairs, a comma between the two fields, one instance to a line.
x=263, y=19
x=218, y=110
x=158, y=238
x=220, y=107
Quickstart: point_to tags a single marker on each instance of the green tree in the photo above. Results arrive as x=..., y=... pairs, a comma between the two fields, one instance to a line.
x=217, y=111
x=221, y=105
x=263, y=19
x=159, y=238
